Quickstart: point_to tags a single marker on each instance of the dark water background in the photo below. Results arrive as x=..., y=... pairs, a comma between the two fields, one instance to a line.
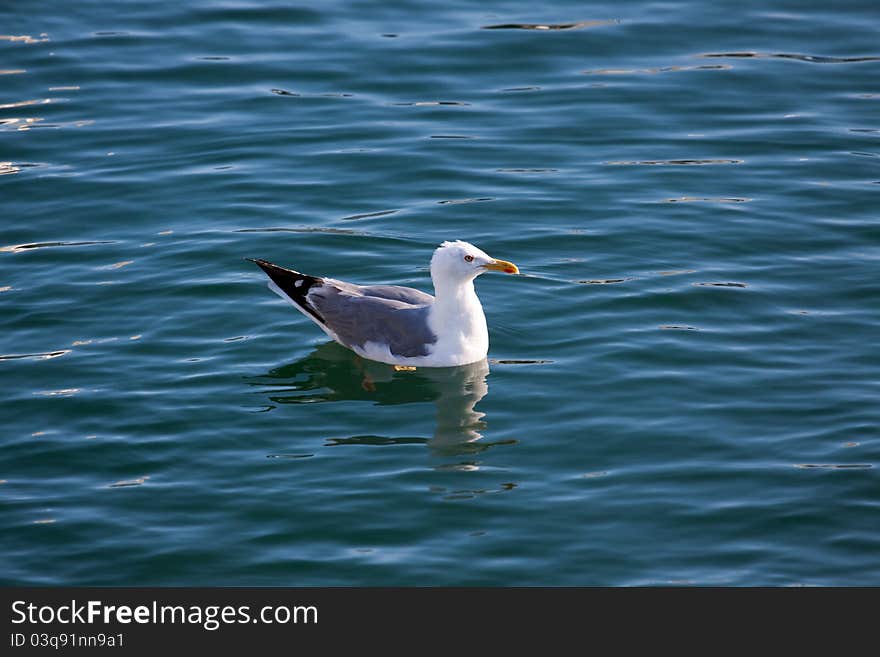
x=682, y=387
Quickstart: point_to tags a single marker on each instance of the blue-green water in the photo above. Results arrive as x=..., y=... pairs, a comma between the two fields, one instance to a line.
x=682, y=387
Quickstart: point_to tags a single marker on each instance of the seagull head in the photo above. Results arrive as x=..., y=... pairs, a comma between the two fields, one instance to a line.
x=461, y=262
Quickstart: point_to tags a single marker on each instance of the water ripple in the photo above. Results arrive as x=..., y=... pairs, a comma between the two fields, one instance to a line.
x=17, y=248
x=326, y=230
x=654, y=71
x=720, y=284
x=44, y=355
x=674, y=162
x=514, y=361
x=25, y=38
x=835, y=466
x=367, y=215
x=65, y=392
x=527, y=170
x=432, y=103
x=706, y=199
x=605, y=281
x=548, y=26
x=26, y=103
x=457, y=201
x=126, y=483
x=813, y=59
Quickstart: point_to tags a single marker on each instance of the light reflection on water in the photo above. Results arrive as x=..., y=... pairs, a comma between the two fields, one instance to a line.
x=332, y=373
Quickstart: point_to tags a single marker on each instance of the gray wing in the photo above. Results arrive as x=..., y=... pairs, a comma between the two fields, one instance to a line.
x=356, y=317
x=395, y=292
x=398, y=293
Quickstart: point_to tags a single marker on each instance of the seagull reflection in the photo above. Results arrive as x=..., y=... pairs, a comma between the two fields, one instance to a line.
x=332, y=373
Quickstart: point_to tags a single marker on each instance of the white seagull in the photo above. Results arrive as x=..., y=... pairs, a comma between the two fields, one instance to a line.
x=400, y=325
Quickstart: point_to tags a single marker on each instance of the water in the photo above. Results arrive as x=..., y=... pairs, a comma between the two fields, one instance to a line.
x=681, y=388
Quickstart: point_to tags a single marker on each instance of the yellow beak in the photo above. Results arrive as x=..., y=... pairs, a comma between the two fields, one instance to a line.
x=502, y=265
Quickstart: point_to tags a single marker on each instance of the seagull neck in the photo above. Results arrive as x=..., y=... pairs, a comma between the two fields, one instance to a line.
x=456, y=304
x=454, y=294
x=456, y=318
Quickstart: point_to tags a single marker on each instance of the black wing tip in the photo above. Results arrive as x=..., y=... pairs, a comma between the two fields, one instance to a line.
x=274, y=270
x=267, y=267
x=270, y=267
x=292, y=283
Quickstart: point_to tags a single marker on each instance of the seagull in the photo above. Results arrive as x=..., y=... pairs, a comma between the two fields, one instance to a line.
x=400, y=325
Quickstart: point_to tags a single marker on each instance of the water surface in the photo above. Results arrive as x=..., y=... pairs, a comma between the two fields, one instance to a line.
x=681, y=387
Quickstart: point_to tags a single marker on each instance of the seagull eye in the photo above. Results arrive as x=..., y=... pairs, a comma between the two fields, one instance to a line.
x=469, y=258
